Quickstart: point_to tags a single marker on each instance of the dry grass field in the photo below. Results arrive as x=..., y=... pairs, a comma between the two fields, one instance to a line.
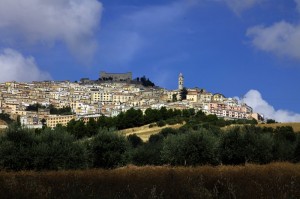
x=295, y=126
x=276, y=180
x=144, y=132
x=3, y=125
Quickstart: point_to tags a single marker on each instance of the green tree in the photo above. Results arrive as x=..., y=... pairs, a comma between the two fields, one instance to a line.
x=146, y=82
x=195, y=148
x=91, y=127
x=174, y=98
x=270, y=121
x=77, y=128
x=44, y=122
x=231, y=147
x=183, y=93
x=163, y=113
x=285, y=141
x=108, y=150
x=133, y=118
x=56, y=149
x=168, y=131
x=134, y=140
x=297, y=150
x=258, y=145
x=6, y=118
x=16, y=149
x=152, y=115
x=148, y=153
x=121, y=121
x=34, y=107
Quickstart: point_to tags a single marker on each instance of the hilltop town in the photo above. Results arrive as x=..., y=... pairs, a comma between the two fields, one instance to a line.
x=111, y=94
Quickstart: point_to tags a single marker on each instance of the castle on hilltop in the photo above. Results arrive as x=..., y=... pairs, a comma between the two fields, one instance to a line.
x=118, y=77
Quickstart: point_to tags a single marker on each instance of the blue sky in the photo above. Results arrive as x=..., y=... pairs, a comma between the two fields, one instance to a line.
x=243, y=48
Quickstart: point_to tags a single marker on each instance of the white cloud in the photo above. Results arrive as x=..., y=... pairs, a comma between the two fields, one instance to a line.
x=47, y=21
x=281, y=38
x=15, y=67
x=239, y=6
x=153, y=16
x=298, y=5
x=254, y=99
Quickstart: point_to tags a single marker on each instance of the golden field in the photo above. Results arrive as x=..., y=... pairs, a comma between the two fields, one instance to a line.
x=144, y=132
x=295, y=125
x=276, y=180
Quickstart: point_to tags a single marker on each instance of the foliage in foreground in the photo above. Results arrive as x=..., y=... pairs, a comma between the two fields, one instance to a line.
x=58, y=149
x=277, y=180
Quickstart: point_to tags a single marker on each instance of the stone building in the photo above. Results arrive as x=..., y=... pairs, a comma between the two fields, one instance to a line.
x=180, y=81
x=116, y=76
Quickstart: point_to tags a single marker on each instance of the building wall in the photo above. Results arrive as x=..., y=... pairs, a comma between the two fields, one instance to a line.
x=53, y=120
x=180, y=82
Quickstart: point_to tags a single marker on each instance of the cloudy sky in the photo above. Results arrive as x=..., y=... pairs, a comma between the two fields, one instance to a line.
x=244, y=48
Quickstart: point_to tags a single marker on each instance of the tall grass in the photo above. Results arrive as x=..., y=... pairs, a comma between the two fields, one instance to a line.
x=276, y=180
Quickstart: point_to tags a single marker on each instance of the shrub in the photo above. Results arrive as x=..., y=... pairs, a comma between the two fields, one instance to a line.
x=16, y=149
x=147, y=154
x=134, y=140
x=284, y=143
x=152, y=125
x=258, y=147
x=108, y=149
x=58, y=150
x=168, y=131
x=231, y=147
x=196, y=148
x=161, y=123
x=246, y=144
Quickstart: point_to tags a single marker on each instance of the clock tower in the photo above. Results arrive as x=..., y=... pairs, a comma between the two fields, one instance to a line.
x=180, y=81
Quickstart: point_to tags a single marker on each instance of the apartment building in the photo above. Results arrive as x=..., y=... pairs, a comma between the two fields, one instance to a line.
x=53, y=120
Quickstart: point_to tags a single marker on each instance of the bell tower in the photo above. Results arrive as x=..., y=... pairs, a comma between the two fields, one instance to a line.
x=180, y=81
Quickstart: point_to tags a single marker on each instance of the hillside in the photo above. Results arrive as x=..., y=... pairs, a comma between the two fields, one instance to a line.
x=295, y=126
x=144, y=132
x=3, y=124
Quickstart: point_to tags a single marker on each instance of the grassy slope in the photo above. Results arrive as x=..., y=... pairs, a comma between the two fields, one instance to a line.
x=144, y=132
x=295, y=126
x=3, y=124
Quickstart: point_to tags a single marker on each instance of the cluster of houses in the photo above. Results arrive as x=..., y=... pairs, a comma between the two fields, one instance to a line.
x=110, y=95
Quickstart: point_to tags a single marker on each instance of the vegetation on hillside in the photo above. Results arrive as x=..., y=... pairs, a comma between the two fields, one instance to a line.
x=145, y=81
x=57, y=111
x=201, y=140
x=6, y=118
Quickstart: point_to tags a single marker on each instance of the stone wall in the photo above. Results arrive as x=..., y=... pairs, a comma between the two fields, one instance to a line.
x=116, y=76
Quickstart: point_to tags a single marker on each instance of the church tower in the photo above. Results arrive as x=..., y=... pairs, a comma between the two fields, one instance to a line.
x=180, y=81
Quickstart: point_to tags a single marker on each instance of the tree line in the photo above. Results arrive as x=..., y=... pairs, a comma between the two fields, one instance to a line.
x=97, y=144
x=57, y=111
x=24, y=149
x=160, y=117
